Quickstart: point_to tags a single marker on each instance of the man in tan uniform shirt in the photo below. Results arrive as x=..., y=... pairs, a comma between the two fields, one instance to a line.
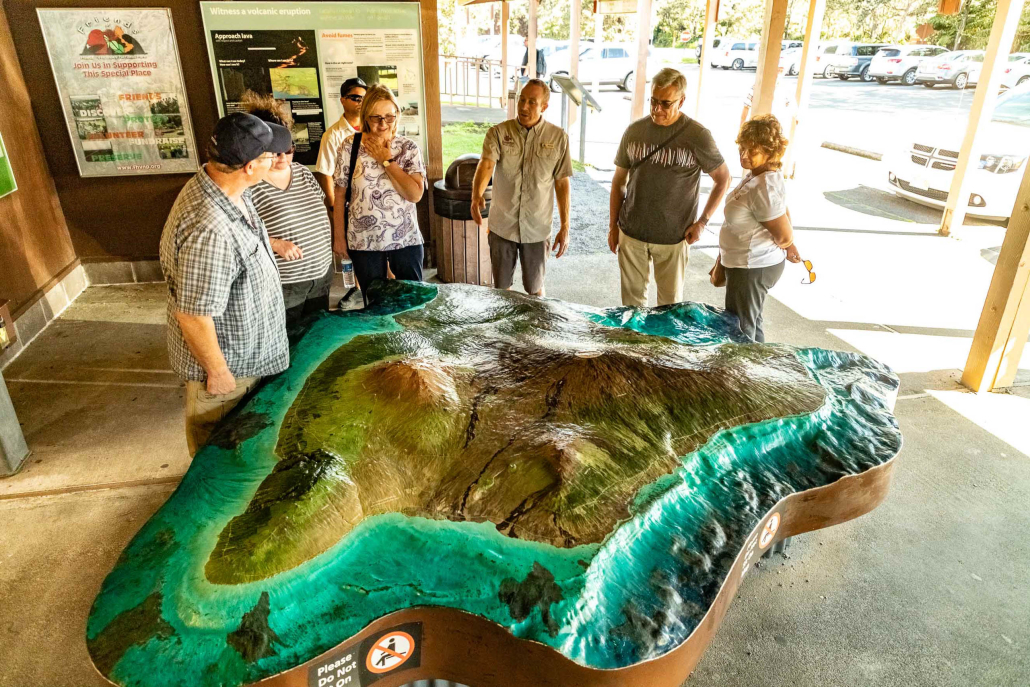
x=528, y=158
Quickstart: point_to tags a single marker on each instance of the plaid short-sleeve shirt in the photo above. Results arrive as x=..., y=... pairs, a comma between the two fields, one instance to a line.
x=218, y=263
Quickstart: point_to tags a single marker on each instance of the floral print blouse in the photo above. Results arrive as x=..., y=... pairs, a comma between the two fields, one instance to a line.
x=380, y=218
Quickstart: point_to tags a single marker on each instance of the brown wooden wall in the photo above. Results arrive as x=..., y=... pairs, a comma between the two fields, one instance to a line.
x=35, y=248
x=119, y=218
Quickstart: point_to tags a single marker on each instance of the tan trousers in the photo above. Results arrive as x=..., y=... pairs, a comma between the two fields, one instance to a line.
x=670, y=266
x=204, y=411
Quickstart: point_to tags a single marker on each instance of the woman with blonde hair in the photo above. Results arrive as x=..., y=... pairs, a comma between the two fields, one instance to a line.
x=756, y=235
x=379, y=177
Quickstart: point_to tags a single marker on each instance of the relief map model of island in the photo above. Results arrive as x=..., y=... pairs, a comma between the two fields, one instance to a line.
x=583, y=478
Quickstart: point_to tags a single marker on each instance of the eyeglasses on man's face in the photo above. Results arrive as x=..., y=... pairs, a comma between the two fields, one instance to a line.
x=354, y=98
x=663, y=104
x=382, y=119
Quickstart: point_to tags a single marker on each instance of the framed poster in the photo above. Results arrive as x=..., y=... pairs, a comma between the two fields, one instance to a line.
x=7, y=183
x=301, y=52
x=120, y=82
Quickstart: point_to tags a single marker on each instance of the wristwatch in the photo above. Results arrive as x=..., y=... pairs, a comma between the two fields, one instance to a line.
x=386, y=163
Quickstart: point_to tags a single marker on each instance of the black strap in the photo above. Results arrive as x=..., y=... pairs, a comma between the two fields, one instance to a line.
x=350, y=177
x=664, y=143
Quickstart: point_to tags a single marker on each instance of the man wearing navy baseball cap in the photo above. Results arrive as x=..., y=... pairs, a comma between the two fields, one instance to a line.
x=226, y=323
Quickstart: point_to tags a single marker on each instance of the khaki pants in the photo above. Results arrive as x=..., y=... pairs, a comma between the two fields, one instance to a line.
x=670, y=266
x=204, y=411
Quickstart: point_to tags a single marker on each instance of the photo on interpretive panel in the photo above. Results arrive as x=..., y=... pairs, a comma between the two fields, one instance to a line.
x=172, y=149
x=91, y=129
x=384, y=74
x=167, y=126
x=294, y=82
x=301, y=136
x=86, y=106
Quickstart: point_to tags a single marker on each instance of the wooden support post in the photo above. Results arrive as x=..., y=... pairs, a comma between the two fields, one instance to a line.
x=707, y=36
x=813, y=31
x=769, y=56
x=598, y=40
x=531, y=61
x=504, y=53
x=574, y=26
x=1005, y=320
x=434, y=143
x=643, y=45
x=1006, y=21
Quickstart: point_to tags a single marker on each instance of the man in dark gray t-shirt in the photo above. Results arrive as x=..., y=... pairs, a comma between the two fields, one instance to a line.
x=654, y=197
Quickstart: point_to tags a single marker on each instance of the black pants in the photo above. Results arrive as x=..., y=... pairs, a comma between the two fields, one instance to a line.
x=745, y=296
x=305, y=297
x=370, y=265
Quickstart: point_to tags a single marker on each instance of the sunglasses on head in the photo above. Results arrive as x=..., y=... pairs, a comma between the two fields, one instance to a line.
x=811, y=274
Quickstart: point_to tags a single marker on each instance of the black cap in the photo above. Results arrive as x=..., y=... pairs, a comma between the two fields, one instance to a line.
x=350, y=84
x=240, y=137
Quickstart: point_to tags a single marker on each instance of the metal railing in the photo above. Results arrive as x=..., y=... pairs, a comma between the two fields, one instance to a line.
x=474, y=81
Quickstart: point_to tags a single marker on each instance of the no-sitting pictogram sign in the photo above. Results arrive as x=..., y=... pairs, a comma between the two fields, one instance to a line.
x=390, y=652
x=769, y=530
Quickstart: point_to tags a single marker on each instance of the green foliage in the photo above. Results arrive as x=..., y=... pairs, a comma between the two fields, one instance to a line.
x=461, y=138
x=975, y=32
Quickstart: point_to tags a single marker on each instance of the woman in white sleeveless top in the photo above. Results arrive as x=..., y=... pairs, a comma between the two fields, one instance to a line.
x=757, y=235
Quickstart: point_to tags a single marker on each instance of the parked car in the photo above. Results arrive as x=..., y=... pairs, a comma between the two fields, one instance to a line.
x=824, y=59
x=559, y=61
x=490, y=48
x=737, y=54
x=614, y=63
x=901, y=62
x=1017, y=72
x=790, y=59
x=715, y=44
x=958, y=69
x=790, y=45
x=924, y=172
x=854, y=61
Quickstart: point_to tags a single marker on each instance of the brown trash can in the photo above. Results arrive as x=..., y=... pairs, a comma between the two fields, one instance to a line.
x=464, y=253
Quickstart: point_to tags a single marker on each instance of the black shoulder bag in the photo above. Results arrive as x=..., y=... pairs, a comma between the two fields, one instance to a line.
x=350, y=178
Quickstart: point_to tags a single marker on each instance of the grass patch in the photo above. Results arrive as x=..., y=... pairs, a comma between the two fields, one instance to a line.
x=467, y=137
x=461, y=138
x=689, y=60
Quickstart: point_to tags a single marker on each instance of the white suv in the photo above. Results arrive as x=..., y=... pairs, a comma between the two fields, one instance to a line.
x=825, y=59
x=959, y=69
x=614, y=63
x=901, y=62
x=923, y=173
x=736, y=54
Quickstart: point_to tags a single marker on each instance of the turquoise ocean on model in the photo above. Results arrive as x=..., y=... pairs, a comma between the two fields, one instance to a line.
x=584, y=478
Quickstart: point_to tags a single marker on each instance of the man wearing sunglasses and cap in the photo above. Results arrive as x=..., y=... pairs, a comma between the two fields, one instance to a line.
x=226, y=320
x=352, y=93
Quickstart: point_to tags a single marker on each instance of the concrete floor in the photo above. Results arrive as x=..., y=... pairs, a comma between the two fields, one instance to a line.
x=929, y=589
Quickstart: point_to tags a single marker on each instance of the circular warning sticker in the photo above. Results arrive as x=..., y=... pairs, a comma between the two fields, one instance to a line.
x=769, y=530
x=390, y=652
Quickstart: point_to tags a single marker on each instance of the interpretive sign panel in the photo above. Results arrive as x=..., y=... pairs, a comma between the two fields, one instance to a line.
x=121, y=88
x=301, y=52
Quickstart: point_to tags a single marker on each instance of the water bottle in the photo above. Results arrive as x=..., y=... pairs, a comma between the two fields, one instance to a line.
x=347, y=270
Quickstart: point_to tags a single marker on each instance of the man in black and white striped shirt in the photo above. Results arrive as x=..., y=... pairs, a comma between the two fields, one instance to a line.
x=292, y=208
